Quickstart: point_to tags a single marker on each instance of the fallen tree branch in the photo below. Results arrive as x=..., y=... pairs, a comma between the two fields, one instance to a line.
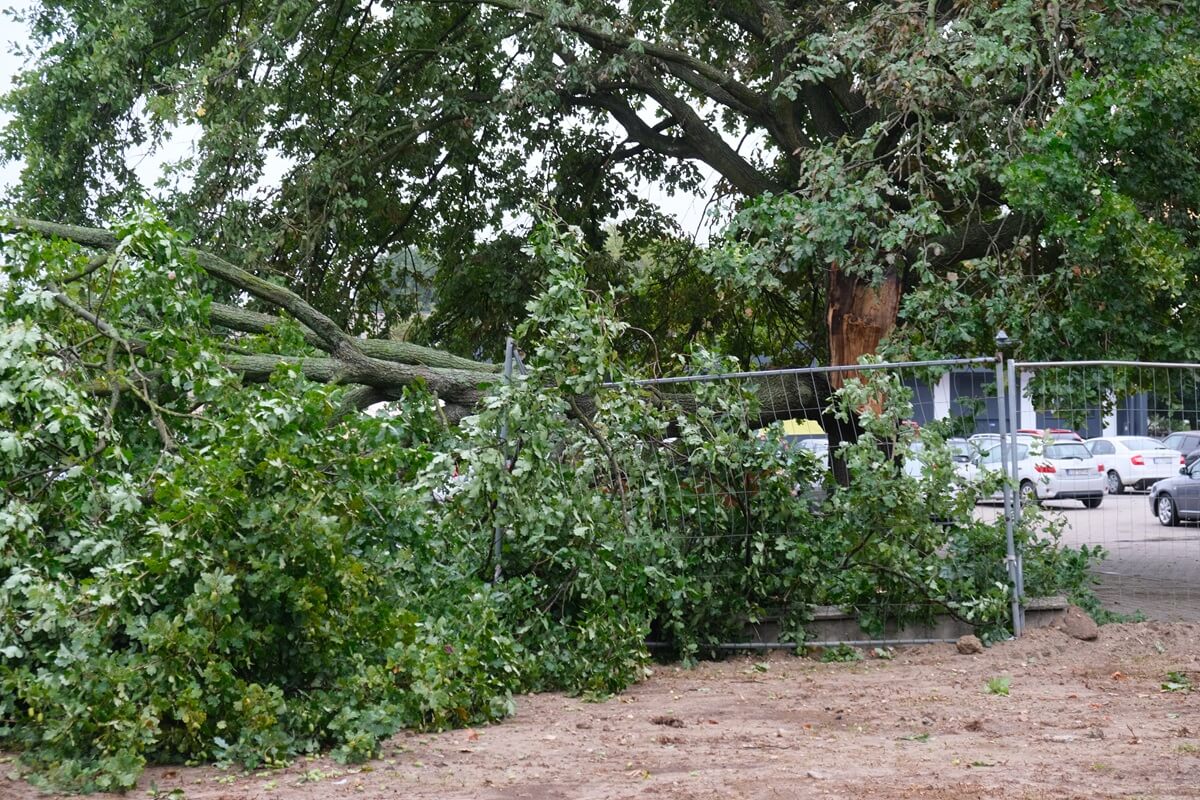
x=247, y=321
x=338, y=342
x=380, y=368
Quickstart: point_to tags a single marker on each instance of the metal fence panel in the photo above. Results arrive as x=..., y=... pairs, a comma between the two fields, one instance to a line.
x=727, y=513
x=732, y=472
x=1145, y=521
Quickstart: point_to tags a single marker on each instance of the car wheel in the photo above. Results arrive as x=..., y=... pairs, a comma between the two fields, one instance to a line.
x=1165, y=509
x=1092, y=502
x=1115, y=484
x=1029, y=494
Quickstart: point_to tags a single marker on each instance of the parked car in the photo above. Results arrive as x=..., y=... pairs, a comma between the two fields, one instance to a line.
x=981, y=442
x=961, y=450
x=1135, y=461
x=986, y=457
x=1055, y=434
x=1177, y=498
x=1186, y=442
x=1063, y=470
x=1055, y=471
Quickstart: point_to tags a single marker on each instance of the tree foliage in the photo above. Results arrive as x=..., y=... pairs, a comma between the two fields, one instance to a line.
x=194, y=567
x=896, y=159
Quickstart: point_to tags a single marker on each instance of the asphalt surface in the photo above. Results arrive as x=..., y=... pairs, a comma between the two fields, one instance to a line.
x=1149, y=568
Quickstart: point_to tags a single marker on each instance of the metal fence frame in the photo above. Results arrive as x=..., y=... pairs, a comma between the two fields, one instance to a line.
x=1006, y=393
x=1013, y=370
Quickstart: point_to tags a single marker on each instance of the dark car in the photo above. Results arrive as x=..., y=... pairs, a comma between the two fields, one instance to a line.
x=1178, y=498
x=1186, y=442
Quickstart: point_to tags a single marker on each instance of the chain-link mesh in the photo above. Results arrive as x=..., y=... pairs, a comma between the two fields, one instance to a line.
x=1140, y=423
x=828, y=499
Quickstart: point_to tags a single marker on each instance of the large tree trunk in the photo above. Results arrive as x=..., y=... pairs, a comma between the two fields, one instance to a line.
x=860, y=314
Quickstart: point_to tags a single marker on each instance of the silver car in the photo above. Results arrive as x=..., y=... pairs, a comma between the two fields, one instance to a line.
x=1177, y=498
x=1054, y=471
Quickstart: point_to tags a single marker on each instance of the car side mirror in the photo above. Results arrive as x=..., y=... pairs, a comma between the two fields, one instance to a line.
x=1183, y=471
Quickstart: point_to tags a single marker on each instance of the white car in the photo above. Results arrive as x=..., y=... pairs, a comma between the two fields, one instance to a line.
x=1135, y=462
x=984, y=458
x=1054, y=471
x=817, y=446
x=986, y=441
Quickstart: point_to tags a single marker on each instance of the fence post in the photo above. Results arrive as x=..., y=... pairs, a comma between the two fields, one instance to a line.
x=498, y=535
x=1010, y=496
x=1014, y=400
x=1008, y=446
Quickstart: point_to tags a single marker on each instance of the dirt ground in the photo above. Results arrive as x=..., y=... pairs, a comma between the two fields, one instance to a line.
x=1082, y=720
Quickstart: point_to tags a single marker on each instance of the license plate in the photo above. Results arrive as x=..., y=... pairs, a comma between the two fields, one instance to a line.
x=1078, y=471
x=1164, y=460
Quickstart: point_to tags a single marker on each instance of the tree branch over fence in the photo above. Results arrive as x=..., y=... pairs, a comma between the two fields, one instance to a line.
x=378, y=368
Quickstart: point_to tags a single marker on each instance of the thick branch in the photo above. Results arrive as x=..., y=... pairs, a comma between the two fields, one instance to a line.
x=823, y=112
x=338, y=342
x=637, y=129
x=975, y=240
x=713, y=148
x=611, y=41
x=751, y=24
x=241, y=319
x=349, y=364
x=452, y=385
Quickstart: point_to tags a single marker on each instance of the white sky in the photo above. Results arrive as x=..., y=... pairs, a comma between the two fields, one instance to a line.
x=9, y=64
x=687, y=208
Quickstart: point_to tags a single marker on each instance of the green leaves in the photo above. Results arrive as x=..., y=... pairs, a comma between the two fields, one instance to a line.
x=196, y=568
x=1177, y=681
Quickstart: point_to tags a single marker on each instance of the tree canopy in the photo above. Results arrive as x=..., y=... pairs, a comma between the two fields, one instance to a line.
x=205, y=555
x=1011, y=163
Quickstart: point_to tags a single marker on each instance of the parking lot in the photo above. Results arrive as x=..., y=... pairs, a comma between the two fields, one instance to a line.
x=1150, y=568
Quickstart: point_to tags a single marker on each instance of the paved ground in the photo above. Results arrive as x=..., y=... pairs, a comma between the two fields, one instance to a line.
x=1150, y=568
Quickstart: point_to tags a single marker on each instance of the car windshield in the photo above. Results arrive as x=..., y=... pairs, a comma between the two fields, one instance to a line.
x=1068, y=450
x=1143, y=443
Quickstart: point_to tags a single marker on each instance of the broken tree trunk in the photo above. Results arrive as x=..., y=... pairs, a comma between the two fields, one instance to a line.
x=860, y=315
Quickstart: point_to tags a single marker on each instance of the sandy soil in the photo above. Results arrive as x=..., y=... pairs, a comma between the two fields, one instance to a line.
x=1082, y=720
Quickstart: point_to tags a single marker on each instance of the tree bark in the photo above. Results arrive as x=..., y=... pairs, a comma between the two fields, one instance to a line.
x=241, y=319
x=860, y=314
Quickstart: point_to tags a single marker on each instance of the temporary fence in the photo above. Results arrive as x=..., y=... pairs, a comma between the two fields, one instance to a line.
x=1138, y=420
x=914, y=489
x=1029, y=419
x=775, y=500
